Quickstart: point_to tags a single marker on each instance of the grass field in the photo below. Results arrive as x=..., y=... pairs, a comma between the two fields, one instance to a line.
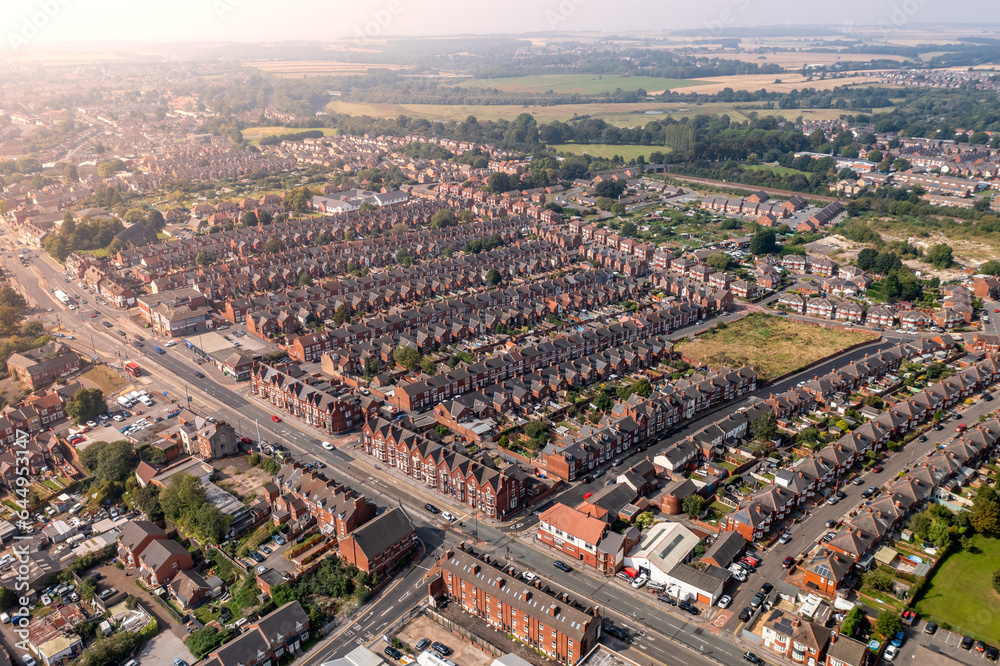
x=607, y=151
x=107, y=380
x=960, y=595
x=777, y=170
x=300, y=68
x=578, y=83
x=773, y=346
x=255, y=134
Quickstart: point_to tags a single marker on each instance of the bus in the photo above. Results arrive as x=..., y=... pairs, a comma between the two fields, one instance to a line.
x=133, y=369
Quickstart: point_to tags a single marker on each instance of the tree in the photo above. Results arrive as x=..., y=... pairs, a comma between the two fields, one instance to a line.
x=10, y=297
x=305, y=280
x=204, y=258
x=408, y=357
x=109, y=168
x=69, y=174
x=86, y=404
x=110, y=461
x=32, y=329
x=628, y=229
x=939, y=533
x=612, y=189
x=154, y=220
x=693, y=505
x=875, y=155
x=996, y=583
x=7, y=598
x=985, y=514
x=250, y=219
x=643, y=388
x=371, y=366
x=878, y=580
x=264, y=218
x=87, y=589
x=10, y=319
x=888, y=623
x=855, y=622
x=603, y=403
x=719, y=261
x=763, y=242
x=148, y=499
x=342, y=314
x=274, y=244
x=939, y=256
x=765, y=427
x=644, y=520
x=443, y=218
x=298, y=199
x=493, y=277
x=404, y=258
x=866, y=259
x=991, y=267
x=428, y=366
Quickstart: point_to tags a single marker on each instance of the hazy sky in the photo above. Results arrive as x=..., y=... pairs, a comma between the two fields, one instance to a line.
x=28, y=22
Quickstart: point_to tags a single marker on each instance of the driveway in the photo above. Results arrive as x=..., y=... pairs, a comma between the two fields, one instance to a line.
x=163, y=649
x=116, y=578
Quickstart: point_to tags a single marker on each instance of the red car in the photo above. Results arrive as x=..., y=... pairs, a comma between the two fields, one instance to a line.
x=878, y=469
x=996, y=309
x=752, y=561
x=788, y=562
x=276, y=419
x=246, y=440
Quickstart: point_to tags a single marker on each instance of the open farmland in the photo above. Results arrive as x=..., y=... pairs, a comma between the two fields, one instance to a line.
x=799, y=59
x=772, y=345
x=300, y=68
x=607, y=151
x=578, y=83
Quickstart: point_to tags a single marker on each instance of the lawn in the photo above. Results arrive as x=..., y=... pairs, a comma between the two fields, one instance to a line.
x=607, y=151
x=776, y=170
x=960, y=595
x=105, y=379
x=773, y=346
x=584, y=84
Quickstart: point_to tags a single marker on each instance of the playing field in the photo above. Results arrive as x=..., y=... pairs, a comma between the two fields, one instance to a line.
x=578, y=83
x=607, y=151
x=773, y=346
x=960, y=595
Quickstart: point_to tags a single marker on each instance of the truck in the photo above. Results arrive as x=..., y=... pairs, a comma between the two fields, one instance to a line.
x=61, y=295
x=133, y=369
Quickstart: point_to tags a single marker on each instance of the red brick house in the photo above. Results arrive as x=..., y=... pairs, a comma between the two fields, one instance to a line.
x=163, y=559
x=380, y=545
x=134, y=538
x=573, y=532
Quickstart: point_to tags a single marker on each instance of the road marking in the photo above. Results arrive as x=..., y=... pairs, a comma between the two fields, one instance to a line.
x=388, y=610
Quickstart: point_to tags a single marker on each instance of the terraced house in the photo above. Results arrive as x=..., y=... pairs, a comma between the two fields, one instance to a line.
x=319, y=404
x=299, y=495
x=266, y=641
x=476, y=484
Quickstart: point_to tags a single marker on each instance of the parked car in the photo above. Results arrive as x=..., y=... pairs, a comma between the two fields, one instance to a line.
x=667, y=599
x=785, y=538
x=430, y=508
x=724, y=601
x=788, y=562
x=891, y=652
x=746, y=614
x=966, y=642
x=878, y=469
x=562, y=566
x=753, y=659
x=256, y=556
x=757, y=600
x=641, y=580
x=619, y=633
x=441, y=648
x=689, y=607
x=991, y=653
x=831, y=523
x=393, y=652
x=422, y=644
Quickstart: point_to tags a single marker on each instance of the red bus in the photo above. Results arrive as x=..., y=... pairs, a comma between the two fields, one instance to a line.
x=133, y=369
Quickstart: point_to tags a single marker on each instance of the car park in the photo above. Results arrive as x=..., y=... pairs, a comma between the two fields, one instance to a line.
x=966, y=643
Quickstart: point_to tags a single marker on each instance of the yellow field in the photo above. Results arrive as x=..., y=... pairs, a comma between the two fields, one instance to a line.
x=789, y=81
x=797, y=59
x=260, y=132
x=300, y=68
x=773, y=346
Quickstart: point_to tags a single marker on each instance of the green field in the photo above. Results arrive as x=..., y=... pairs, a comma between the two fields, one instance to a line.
x=578, y=83
x=776, y=170
x=255, y=134
x=960, y=595
x=607, y=151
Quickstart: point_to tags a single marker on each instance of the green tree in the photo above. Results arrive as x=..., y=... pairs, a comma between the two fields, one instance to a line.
x=493, y=277
x=305, y=280
x=250, y=219
x=32, y=329
x=693, y=505
x=920, y=525
x=996, y=585
x=855, y=623
x=273, y=244
x=443, y=218
x=628, y=229
x=939, y=533
x=155, y=221
x=644, y=520
x=9, y=297
x=342, y=314
x=110, y=461
x=643, y=388
x=371, y=366
x=7, y=598
x=603, y=403
x=204, y=258
x=763, y=242
x=428, y=366
x=878, y=580
x=86, y=404
x=69, y=174
x=765, y=427
x=939, y=256
x=888, y=623
x=408, y=357
x=10, y=319
x=298, y=199
x=991, y=267
x=985, y=514
x=106, y=169
x=719, y=261
x=148, y=499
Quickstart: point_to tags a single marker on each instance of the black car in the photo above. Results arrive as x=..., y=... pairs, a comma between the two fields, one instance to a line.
x=841, y=494
x=422, y=644
x=753, y=659
x=991, y=653
x=867, y=493
x=757, y=600
x=766, y=588
x=938, y=426
x=562, y=566
x=667, y=599
x=988, y=398
x=619, y=633
x=831, y=523
x=922, y=438
x=746, y=614
x=199, y=375
x=431, y=508
x=967, y=642
x=930, y=628
x=256, y=556
x=393, y=652
x=106, y=324
x=441, y=648
x=689, y=607
x=121, y=333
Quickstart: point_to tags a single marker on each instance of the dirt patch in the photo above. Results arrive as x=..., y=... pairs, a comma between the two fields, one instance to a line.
x=237, y=476
x=773, y=346
x=835, y=245
x=105, y=379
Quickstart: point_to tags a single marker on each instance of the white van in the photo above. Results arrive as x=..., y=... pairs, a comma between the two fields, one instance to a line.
x=125, y=402
x=146, y=401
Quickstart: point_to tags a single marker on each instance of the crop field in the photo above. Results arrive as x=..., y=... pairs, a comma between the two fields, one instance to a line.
x=788, y=81
x=578, y=83
x=300, y=68
x=773, y=346
x=607, y=151
x=799, y=59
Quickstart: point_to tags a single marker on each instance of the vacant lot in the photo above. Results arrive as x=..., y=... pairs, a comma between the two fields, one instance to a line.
x=579, y=83
x=771, y=345
x=607, y=151
x=960, y=595
x=105, y=379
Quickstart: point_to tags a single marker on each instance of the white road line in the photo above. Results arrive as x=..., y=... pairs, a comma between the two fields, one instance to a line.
x=385, y=612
